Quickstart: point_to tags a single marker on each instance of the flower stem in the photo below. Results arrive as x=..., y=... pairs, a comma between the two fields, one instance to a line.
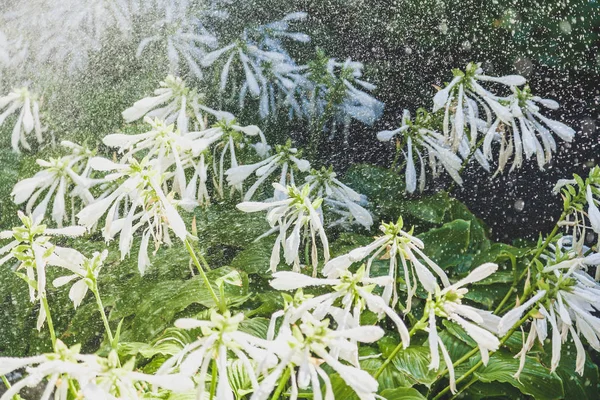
x=49, y=319
x=480, y=362
x=213, y=380
x=282, y=382
x=109, y=333
x=399, y=347
x=203, y=274
x=537, y=254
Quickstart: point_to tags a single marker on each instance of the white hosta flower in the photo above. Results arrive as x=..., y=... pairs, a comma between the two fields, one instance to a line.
x=88, y=375
x=174, y=102
x=84, y=270
x=569, y=304
x=424, y=146
x=228, y=137
x=354, y=292
x=28, y=120
x=30, y=245
x=143, y=204
x=593, y=211
x=462, y=99
x=61, y=178
x=181, y=35
x=220, y=336
x=285, y=158
x=478, y=324
x=306, y=346
x=399, y=247
x=298, y=213
x=337, y=195
x=527, y=132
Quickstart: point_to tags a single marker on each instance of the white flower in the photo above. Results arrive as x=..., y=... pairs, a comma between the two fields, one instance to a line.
x=298, y=211
x=463, y=97
x=339, y=196
x=28, y=119
x=398, y=246
x=181, y=36
x=63, y=177
x=518, y=135
x=304, y=347
x=31, y=246
x=140, y=187
x=478, y=324
x=220, y=335
x=593, y=212
x=90, y=376
x=428, y=145
x=174, y=102
x=84, y=271
x=569, y=305
x=354, y=292
x=285, y=158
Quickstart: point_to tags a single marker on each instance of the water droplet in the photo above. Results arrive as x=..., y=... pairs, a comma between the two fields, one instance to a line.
x=519, y=205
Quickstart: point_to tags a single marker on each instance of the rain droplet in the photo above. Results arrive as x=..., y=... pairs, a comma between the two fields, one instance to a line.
x=519, y=205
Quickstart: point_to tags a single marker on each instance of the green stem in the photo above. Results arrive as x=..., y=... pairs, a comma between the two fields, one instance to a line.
x=537, y=254
x=399, y=347
x=203, y=274
x=480, y=362
x=6, y=382
x=282, y=382
x=109, y=333
x=49, y=320
x=213, y=381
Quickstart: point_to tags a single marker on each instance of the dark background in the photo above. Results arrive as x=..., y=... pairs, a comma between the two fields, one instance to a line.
x=409, y=46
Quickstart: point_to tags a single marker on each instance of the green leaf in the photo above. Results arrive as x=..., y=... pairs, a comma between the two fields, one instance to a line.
x=402, y=394
x=448, y=244
x=535, y=380
x=413, y=362
x=254, y=259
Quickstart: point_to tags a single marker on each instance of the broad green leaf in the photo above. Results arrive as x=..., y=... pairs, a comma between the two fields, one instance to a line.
x=413, y=362
x=448, y=244
x=402, y=394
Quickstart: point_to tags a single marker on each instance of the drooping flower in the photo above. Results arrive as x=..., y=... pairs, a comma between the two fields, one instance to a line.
x=480, y=325
x=286, y=158
x=88, y=375
x=307, y=345
x=518, y=137
x=84, y=270
x=339, y=197
x=397, y=245
x=299, y=213
x=569, y=300
x=139, y=188
x=220, y=336
x=183, y=37
x=428, y=145
x=174, y=102
x=462, y=99
x=61, y=178
x=32, y=248
x=354, y=292
x=28, y=119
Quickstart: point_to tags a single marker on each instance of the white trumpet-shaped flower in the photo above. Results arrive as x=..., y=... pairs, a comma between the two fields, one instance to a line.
x=285, y=158
x=298, y=213
x=354, y=291
x=518, y=136
x=61, y=178
x=174, y=102
x=138, y=202
x=87, y=376
x=324, y=184
x=84, y=270
x=303, y=348
x=30, y=245
x=399, y=247
x=480, y=325
x=425, y=146
x=24, y=102
x=219, y=337
x=462, y=99
x=569, y=302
